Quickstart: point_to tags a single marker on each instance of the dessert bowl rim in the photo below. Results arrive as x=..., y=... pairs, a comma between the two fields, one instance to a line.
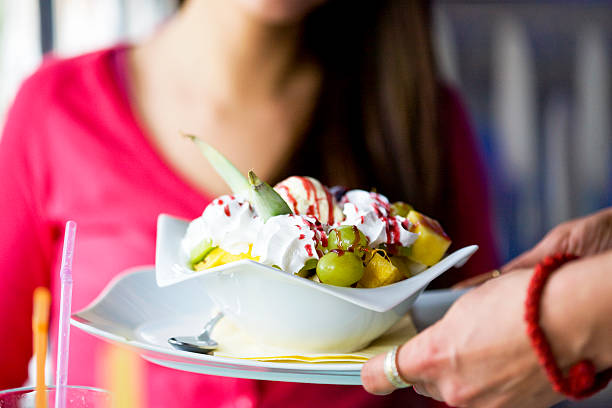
x=379, y=299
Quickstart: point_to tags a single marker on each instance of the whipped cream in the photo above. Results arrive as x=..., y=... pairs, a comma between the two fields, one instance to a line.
x=287, y=241
x=367, y=201
x=369, y=212
x=307, y=196
x=229, y=221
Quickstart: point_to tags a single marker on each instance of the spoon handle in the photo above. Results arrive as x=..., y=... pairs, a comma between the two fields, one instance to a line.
x=209, y=326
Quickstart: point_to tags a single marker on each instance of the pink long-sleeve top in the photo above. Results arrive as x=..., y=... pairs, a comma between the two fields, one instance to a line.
x=73, y=149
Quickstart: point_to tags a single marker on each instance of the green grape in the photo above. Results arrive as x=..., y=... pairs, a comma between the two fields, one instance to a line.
x=400, y=208
x=339, y=268
x=346, y=238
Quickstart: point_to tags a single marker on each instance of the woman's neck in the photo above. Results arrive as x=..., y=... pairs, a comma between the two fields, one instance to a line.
x=217, y=72
x=216, y=48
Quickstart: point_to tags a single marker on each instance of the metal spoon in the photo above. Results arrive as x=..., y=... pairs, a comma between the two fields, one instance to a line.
x=200, y=344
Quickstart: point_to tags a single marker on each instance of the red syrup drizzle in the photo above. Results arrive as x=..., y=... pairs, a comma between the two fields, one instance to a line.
x=393, y=231
x=302, y=236
x=226, y=210
x=308, y=248
x=220, y=202
x=311, y=191
x=392, y=227
x=310, y=211
x=290, y=197
x=355, y=242
x=330, y=206
x=407, y=225
x=379, y=214
x=323, y=237
x=380, y=201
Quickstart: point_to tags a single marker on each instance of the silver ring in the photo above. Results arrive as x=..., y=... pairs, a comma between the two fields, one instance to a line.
x=390, y=369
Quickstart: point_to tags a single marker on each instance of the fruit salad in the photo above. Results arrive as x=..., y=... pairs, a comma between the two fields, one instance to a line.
x=330, y=235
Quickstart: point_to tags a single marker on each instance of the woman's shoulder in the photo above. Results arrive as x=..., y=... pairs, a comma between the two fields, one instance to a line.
x=66, y=100
x=60, y=79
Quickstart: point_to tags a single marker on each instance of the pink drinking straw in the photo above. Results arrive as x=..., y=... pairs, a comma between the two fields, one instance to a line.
x=64, y=319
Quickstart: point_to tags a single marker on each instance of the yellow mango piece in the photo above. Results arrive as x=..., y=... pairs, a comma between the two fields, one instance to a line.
x=407, y=267
x=218, y=257
x=379, y=271
x=432, y=242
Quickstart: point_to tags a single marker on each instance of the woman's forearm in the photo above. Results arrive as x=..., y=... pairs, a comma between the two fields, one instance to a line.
x=577, y=312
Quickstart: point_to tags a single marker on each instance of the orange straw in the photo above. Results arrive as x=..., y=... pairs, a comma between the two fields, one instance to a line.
x=40, y=327
x=122, y=374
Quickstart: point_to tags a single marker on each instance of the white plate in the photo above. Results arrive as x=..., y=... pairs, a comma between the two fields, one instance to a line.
x=134, y=311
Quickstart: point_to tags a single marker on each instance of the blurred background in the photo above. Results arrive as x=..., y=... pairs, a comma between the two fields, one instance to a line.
x=535, y=76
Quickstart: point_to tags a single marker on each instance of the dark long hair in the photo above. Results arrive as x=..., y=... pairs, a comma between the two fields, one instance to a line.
x=376, y=120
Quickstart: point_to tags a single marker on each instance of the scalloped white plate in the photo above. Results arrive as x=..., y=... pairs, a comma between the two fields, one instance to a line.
x=132, y=310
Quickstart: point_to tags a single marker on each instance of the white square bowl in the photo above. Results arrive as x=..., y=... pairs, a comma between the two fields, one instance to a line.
x=289, y=312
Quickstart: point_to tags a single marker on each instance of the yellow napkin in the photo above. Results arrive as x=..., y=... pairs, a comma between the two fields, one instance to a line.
x=234, y=343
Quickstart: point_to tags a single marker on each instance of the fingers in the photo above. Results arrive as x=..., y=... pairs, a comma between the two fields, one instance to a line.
x=476, y=280
x=410, y=362
x=375, y=381
x=373, y=377
x=422, y=389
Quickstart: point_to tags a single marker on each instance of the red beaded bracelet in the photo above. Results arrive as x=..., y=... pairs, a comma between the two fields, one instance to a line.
x=582, y=380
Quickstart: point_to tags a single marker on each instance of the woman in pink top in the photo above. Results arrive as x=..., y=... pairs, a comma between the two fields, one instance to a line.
x=342, y=91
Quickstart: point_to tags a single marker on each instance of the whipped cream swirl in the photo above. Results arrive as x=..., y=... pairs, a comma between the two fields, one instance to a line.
x=229, y=221
x=369, y=212
x=287, y=241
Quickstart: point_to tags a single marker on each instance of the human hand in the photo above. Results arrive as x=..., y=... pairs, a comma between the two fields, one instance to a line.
x=478, y=355
x=584, y=236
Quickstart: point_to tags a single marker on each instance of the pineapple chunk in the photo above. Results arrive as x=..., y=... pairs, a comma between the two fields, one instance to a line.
x=432, y=242
x=379, y=271
x=218, y=257
x=407, y=267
